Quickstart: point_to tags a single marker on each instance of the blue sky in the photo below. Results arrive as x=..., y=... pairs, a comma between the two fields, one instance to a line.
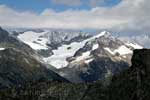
x=39, y=5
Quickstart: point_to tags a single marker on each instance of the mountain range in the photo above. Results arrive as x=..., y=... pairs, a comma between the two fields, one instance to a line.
x=79, y=56
x=54, y=65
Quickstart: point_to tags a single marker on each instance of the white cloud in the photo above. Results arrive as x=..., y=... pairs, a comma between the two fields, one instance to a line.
x=129, y=15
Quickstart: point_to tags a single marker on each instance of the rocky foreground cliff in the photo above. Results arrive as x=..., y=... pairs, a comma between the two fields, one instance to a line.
x=132, y=84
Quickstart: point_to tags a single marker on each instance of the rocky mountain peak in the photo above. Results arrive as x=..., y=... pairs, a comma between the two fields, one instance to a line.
x=104, y=33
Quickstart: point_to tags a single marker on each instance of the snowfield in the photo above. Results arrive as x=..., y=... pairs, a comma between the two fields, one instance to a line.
x=34, y=40
x=58, y=59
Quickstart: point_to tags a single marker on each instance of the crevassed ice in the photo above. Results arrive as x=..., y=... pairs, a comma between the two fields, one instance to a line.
x=95, y=46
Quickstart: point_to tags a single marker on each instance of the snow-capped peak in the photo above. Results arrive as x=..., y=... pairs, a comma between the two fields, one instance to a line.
x=103, y=33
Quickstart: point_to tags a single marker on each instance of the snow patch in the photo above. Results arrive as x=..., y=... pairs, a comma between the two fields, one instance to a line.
x=1, y=49
x=108, y=49
x=123, y=50
x=85, y=55
x=88, y=61
x=95, y=46
x=124, y=57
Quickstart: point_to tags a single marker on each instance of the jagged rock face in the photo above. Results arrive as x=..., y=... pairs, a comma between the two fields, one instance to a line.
x=57, y=38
